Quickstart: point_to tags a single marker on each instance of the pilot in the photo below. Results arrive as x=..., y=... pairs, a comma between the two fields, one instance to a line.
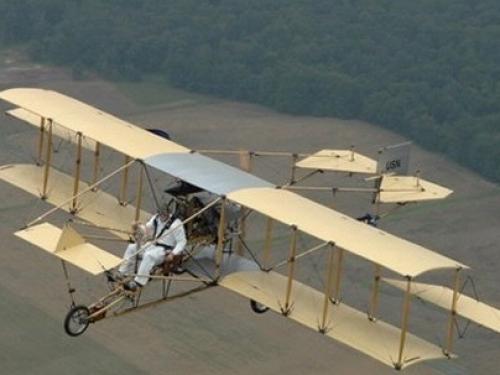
x=167, y=240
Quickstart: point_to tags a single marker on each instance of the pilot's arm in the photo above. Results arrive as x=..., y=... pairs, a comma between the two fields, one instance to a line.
x=143, y=231
x=149, y=228
x=180, y=239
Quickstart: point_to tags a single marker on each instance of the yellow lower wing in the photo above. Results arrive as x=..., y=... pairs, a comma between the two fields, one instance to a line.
x=468, y=307
x=98, y=208
x=67, y=245
x=377, y=339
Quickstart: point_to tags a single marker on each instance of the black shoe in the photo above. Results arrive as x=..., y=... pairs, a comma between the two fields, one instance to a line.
x=132, y=286
x=179, y=270
x=110, y=278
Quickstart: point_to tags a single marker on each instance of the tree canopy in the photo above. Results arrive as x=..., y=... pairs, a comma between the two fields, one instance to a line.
x=428, y=69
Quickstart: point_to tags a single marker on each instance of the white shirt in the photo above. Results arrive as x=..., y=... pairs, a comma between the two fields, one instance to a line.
x=173, y=236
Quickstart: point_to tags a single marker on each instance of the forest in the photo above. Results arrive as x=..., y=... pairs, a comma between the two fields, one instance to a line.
x=428, y=69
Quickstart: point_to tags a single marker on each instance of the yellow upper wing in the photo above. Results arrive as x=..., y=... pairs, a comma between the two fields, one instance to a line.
x=394, y=253
x=91, y=122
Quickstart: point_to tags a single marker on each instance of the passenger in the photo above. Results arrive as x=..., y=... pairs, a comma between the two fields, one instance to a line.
x=167, y=241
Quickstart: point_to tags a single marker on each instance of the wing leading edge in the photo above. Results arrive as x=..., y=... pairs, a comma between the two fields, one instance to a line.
x=93, y=123
x=389, y=251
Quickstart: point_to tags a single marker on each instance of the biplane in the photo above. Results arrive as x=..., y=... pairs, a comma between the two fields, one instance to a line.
x=214, y=201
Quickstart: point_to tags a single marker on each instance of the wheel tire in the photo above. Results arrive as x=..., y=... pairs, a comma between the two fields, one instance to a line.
x=257, y=307
x=76, y=321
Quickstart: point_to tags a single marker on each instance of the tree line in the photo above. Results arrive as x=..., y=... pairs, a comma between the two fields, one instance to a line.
x=428, y=69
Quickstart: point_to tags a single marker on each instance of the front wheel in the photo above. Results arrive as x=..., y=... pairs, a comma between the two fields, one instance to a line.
x=257, y=307
x=77, y=320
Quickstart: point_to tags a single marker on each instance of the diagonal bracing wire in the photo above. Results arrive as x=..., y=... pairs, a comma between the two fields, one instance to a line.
x=250, y=252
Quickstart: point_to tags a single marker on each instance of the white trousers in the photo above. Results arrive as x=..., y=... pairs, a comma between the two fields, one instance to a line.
x=151, y=256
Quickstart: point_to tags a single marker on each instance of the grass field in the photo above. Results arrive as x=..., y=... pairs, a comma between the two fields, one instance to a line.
x=154, y=91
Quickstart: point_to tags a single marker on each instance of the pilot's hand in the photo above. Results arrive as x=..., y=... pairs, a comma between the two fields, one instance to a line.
x=138, y=232
x=169, y=258
x=135, y=225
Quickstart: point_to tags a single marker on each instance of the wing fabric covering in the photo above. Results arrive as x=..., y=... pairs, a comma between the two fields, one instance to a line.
x=395, y=189
x=93, y=123
x=96, y=125
x=379, y=340
x=394, y=253
x=97, y=207
x=206, y=173
x=467, y=307
x=339, y=161
x=83, y=255
x=57, y=130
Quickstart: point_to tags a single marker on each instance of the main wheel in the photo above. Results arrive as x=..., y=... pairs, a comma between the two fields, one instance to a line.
x=257, y=307
x=77, y=320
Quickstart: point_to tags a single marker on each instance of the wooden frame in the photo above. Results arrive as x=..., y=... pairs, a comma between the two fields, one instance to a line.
x=138, y=199
x=48, y=159
x=97, y=155
x=78, y=164
x=250, y=193
x=220, y=239
x=124, y=185
x=287, y=307
x=372, y=314
x=404, y=325
x=338, y=276
x=453, y=314
x=39, y=160
x=323, y=327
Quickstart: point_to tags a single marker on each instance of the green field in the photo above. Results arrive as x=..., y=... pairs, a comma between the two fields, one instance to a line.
x=154, y=91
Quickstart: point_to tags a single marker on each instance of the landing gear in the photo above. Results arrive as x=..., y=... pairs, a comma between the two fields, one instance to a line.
x=257, y=307
x=77, y=320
